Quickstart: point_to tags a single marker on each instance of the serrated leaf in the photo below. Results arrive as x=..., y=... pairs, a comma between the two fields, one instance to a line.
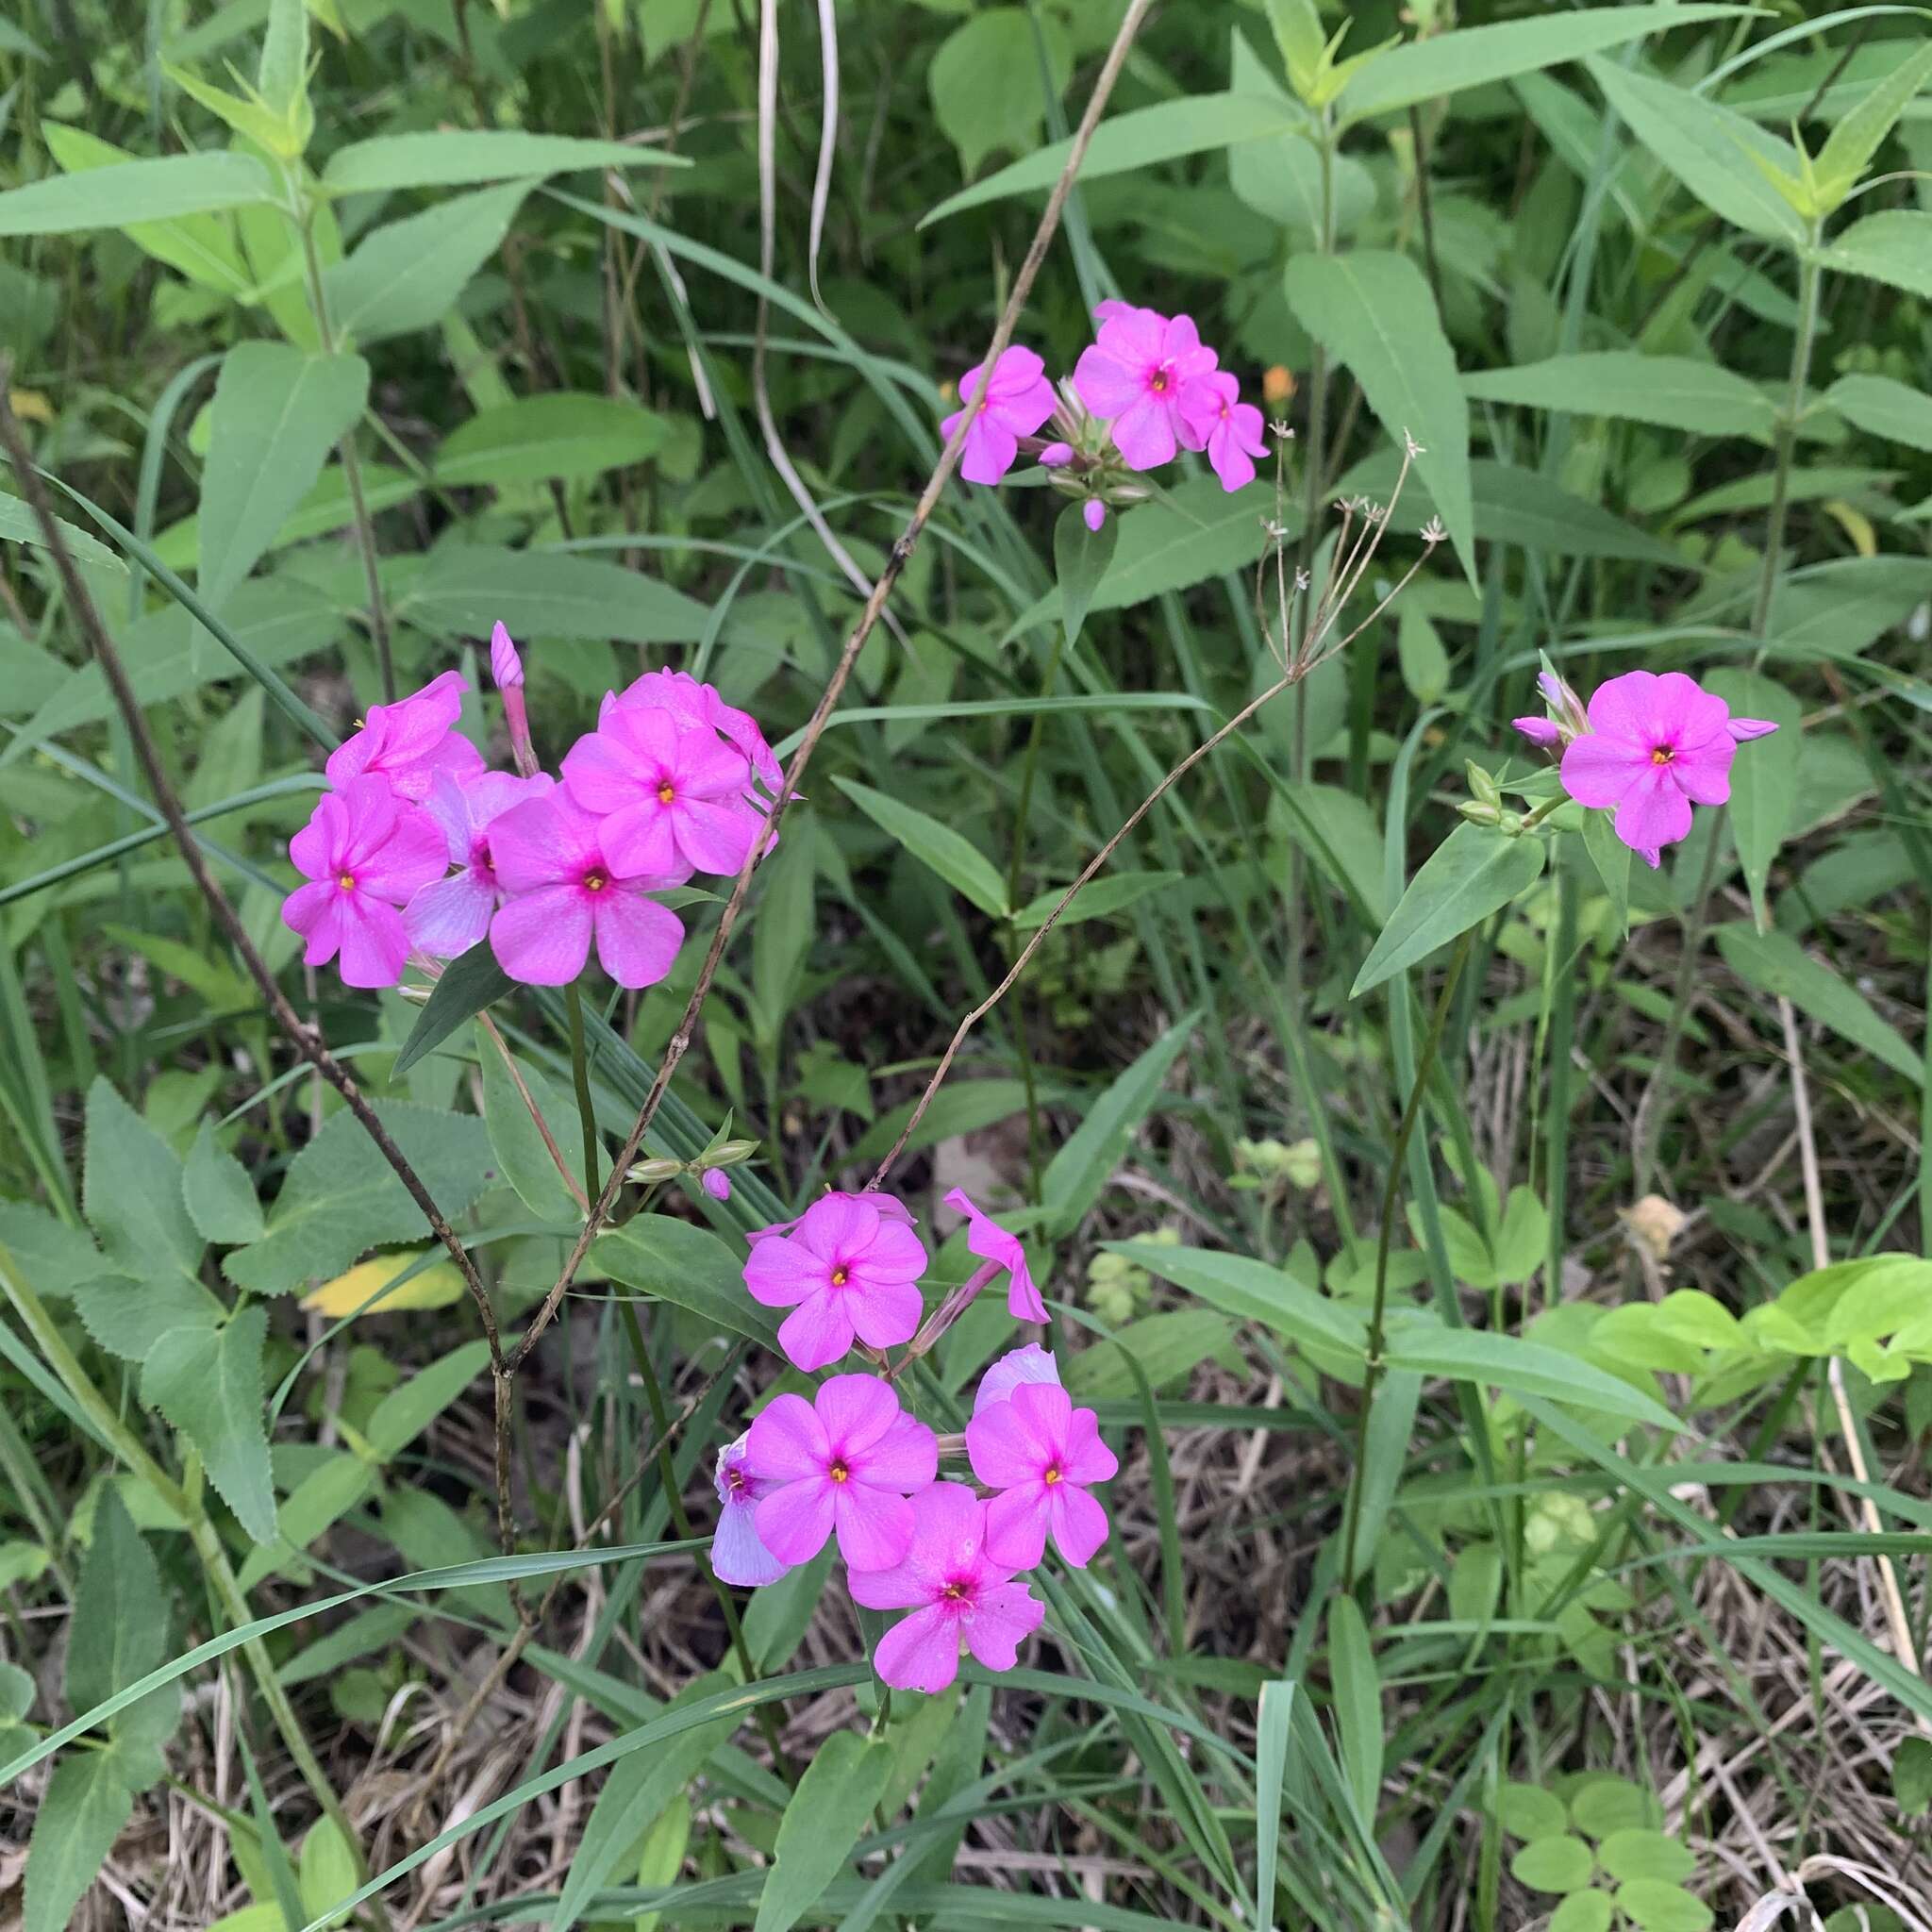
x=209, y=1386
x=54, y=1258
x=937, y=847
x=1895, y=247
x=217, y=1193
x=1375, y=313
x=1859, y=135
x=1086, y=1160
x=830, y=1809
x=118, y=1631
x=1775, y=963
x=340, y=1197
x=1882, y=407
x=131, y=1185
x=126, y=1316
x=79, y=1817
x=1474, y=871
x=276, y=415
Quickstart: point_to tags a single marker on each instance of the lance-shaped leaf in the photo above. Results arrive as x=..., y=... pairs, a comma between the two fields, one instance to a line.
x=1474, y=871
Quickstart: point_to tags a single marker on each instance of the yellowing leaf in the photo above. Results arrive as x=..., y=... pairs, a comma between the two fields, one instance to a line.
x=435, y=1287
x=1856, y=525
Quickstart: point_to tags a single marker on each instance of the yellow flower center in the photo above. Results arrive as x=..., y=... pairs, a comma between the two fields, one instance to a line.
x=956, y=1591
x=666, y=793
x=839, y=1277
x=839, y=1473
x=595, y=881
x=1663, y=755
x=1052, y=1475
x=347, y=882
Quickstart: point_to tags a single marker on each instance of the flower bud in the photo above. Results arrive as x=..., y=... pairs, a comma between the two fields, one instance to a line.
x=1481, y=785
x=1277, y=385
x=1477, y=813
x=652, y=1170
x=505, y=667
x=416, y=995
x=716, y=1183
x=1093, y=513
x=1057, y=455
x=730, y=1153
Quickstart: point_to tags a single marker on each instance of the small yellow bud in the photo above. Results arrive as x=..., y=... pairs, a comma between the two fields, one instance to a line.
x=1277, y=385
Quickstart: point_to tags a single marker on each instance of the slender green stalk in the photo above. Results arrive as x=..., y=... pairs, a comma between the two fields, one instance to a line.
x=1786, y=443
x=352, y=472
x=580, y=1079
x=1392, y=1189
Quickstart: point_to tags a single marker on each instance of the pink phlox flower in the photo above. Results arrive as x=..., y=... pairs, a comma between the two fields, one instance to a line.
x=847, y=1266
x=987, y=1238
x=365, y=853
x=1230, y=429
x=692, y=703
x=407, y=742
x=1142, y=372
x=889, y=1205
x=845, y=1463
x=736, y=1555
x=959, y=1596
x=1041, y=1454
x=452, y=915
x=1016, y=1368
x=1018, y=400
x=565, y=891
x=674, y=798
x=1657, y=745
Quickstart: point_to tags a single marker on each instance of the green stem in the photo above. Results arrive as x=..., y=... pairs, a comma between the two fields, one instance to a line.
x=580, y=1079
x=1023, y=814
x=1392, y=1187
x=352, y=472
x=1787, y=441
x=46, y=1336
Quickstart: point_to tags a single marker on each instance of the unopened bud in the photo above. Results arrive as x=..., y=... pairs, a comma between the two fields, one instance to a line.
x=505, y=667
x=1477, y=813
x=1277, y=385
x=1481, y=785
x=1057, y=455
x=1093, y=513
x=416, y=995
x=716, y=1183
x=730, y=1153
x=649, y=1172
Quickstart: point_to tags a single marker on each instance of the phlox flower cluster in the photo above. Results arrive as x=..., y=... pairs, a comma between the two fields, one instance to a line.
x=420, y=849
x=851, y=1466
x=1147, y=388
x=1646, y=747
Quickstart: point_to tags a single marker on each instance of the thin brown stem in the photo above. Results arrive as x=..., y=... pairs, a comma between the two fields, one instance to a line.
x=679, y=1043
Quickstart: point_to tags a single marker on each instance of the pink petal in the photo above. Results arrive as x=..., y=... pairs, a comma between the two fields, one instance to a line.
x=542, y=937
x=1703, y=772
x=1133, y=335
x=600, y=774
x=1018, y=370
x=774, y=1275
x=1093, y=513
x=922, y=1653
x=1541, y=731
x=1626, y=708
x=713, y=836
x=1106, y=384
x=837, y=1226
x=446, y=918
x=884, y=1313
x=1003, y=1618
x=874, y=1526
x=904, y=1587
x=375, y=946
x=787, y=1441
x=314, y=848
x=413, y=856
x=817, y=1332
x=1654, y=812
x=1598, y=771
x=1085, y=1458
x=989, y=450
x=1002, y=1447
x=1144, y=434
x=1744, y=729
x=1022, y=1299
x=856, y=1411
x=1079, y=1523
x=323, y=916
x=637, y=938
x=1029, y=1364
x=1230, y=463
x=949, y=1524
x=793, y=1522
x=906, y=1457
x=542, y=842
x=306, y=907
x=895, y=1254
x=1016, y=1522
x=1046, y=1410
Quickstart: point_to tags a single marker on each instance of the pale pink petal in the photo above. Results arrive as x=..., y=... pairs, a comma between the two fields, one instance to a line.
x=375, y=946
x=451, y=806
x=639, y=840
x=875, y=1525
x=1031, y=1364
x=446, y=918
x=837, y=1226
x=904, y=1587
x=949, y=1523
x=1541, y=731
x=1598, y=771
x=774, y=1276
x=1085, y=1458
x=922, y=1653
x=884, y=1314
x=1002, y=1448
x=1144, y=434
x=1016, y=1522
x=1003, y=1618
x=1624, y=706
x=787, y=1441
x=599, y=774
x=817, y=1332
x=542, y=937
x=793, y=1522
x=413, y=856
x=1106, y=384
x=542, y=842
x=1654, y=812
x=712, y=836
x=736, y=1555
x=1745, y=728
x=904, y=1457
x=1079, y=1523
x=1046, y=1410
x=1134, y=335
x=856, y=1411
x=1703, y=772
x=637, y=938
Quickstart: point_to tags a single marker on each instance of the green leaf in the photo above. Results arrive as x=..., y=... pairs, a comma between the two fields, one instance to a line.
x=18, y=524
x=562, y=435
x=782, y=925
x=955, y=858
x=1375, y=313
x=1251, y=1290
x=526, y=1161
x=1583, y=1911
x=80, y=1815
x=637, y=1791
x=1418, y=651
x=1611, y=859
x=1911, y=1777
x=1552, y=1864
x=328, y=1871
x=1765, y=773
x=1657, y=1907
x=985, y=82
x=1168, y=1347
x=830, y=1809
x=1521, y=1368
x=1476, y=55
x=276, y=415
x=1858, y=136
x=405, y=1413
x=468, y=983
x=1087, y=1159
x=1718, y=154
x=131, y=1184
x=1080, y=558
x=1895, y=247
x=340, y=1197
x=462, y=158
x=53, y=1257
x=119, y=1628
x=466, y=588
x=1642, y=1851
x=218, y=1192
x=1102, y=897
x=1201, y=124
x=1775, y=963
x=1474, y=871
x=282, y=78
x=130, y=193
x=405, y=274
x=126, y=1315
x=678, y=1262
x=1358, y=1691
x=1530, y=1812
x=1881, y=407
x=1671, y=391
x=209, y=1386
